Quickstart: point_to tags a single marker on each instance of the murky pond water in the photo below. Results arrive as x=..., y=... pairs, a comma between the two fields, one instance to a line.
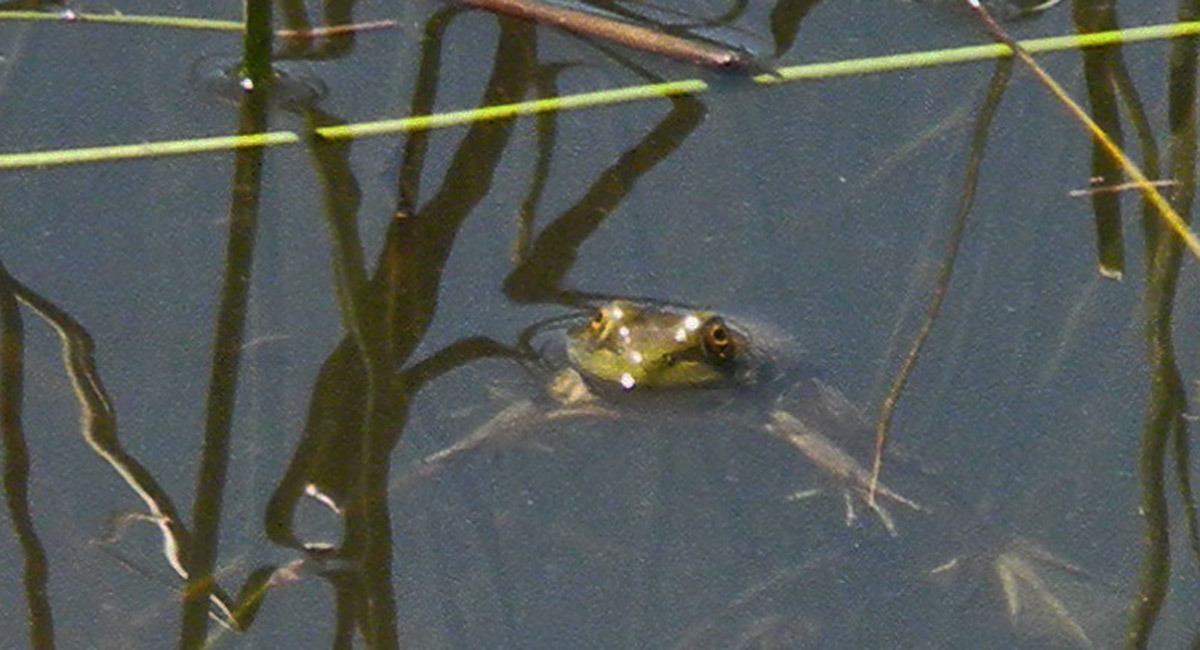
x=389, y=282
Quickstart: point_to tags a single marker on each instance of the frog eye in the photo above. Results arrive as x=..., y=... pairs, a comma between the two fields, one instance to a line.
x=717, y=339
x=597, y=322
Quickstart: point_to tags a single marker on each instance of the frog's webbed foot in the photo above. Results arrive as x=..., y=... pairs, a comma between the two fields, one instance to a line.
x=855, y=480
x=1045, y=596
x=1035, y=584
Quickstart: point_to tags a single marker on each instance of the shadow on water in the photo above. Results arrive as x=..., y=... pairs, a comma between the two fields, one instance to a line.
x=363, y=392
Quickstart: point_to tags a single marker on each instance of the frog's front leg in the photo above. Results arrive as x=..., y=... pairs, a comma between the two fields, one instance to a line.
x=517, y=424
x=855, y=479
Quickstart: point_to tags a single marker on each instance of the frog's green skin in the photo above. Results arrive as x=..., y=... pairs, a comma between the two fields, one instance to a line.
x=627, y=350
x=637, y=346
x=666, y=354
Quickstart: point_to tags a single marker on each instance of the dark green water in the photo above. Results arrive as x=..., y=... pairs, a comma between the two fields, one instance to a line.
x=821, y=207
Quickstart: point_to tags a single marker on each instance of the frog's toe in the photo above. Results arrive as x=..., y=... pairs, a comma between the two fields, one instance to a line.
x=883, y=515
x=851, y=515
x=1038, y=594
x=804, y=495
x=850, y=497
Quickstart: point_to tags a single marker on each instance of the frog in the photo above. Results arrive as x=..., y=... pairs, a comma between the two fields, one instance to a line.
x=630, y=359
x=657, y=347
x=624, y=359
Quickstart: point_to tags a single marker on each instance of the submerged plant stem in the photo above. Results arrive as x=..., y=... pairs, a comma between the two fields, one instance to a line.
x=958, y=226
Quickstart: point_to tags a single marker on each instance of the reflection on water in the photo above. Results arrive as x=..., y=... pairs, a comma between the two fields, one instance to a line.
x=411, y=483
x=296, y=86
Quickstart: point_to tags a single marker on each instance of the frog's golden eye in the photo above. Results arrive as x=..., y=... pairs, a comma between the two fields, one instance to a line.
x=597, y=322
x=717, y=339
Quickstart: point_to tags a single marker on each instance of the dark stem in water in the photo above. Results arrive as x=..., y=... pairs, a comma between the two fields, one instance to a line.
x=957, y=227
x=227, y=345
x=16, y=468
x=256, y=43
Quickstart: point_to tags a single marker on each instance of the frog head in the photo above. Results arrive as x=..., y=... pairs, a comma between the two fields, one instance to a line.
x=654, y=346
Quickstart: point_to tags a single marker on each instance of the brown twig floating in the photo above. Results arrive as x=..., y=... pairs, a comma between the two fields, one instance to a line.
x=699, y=53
